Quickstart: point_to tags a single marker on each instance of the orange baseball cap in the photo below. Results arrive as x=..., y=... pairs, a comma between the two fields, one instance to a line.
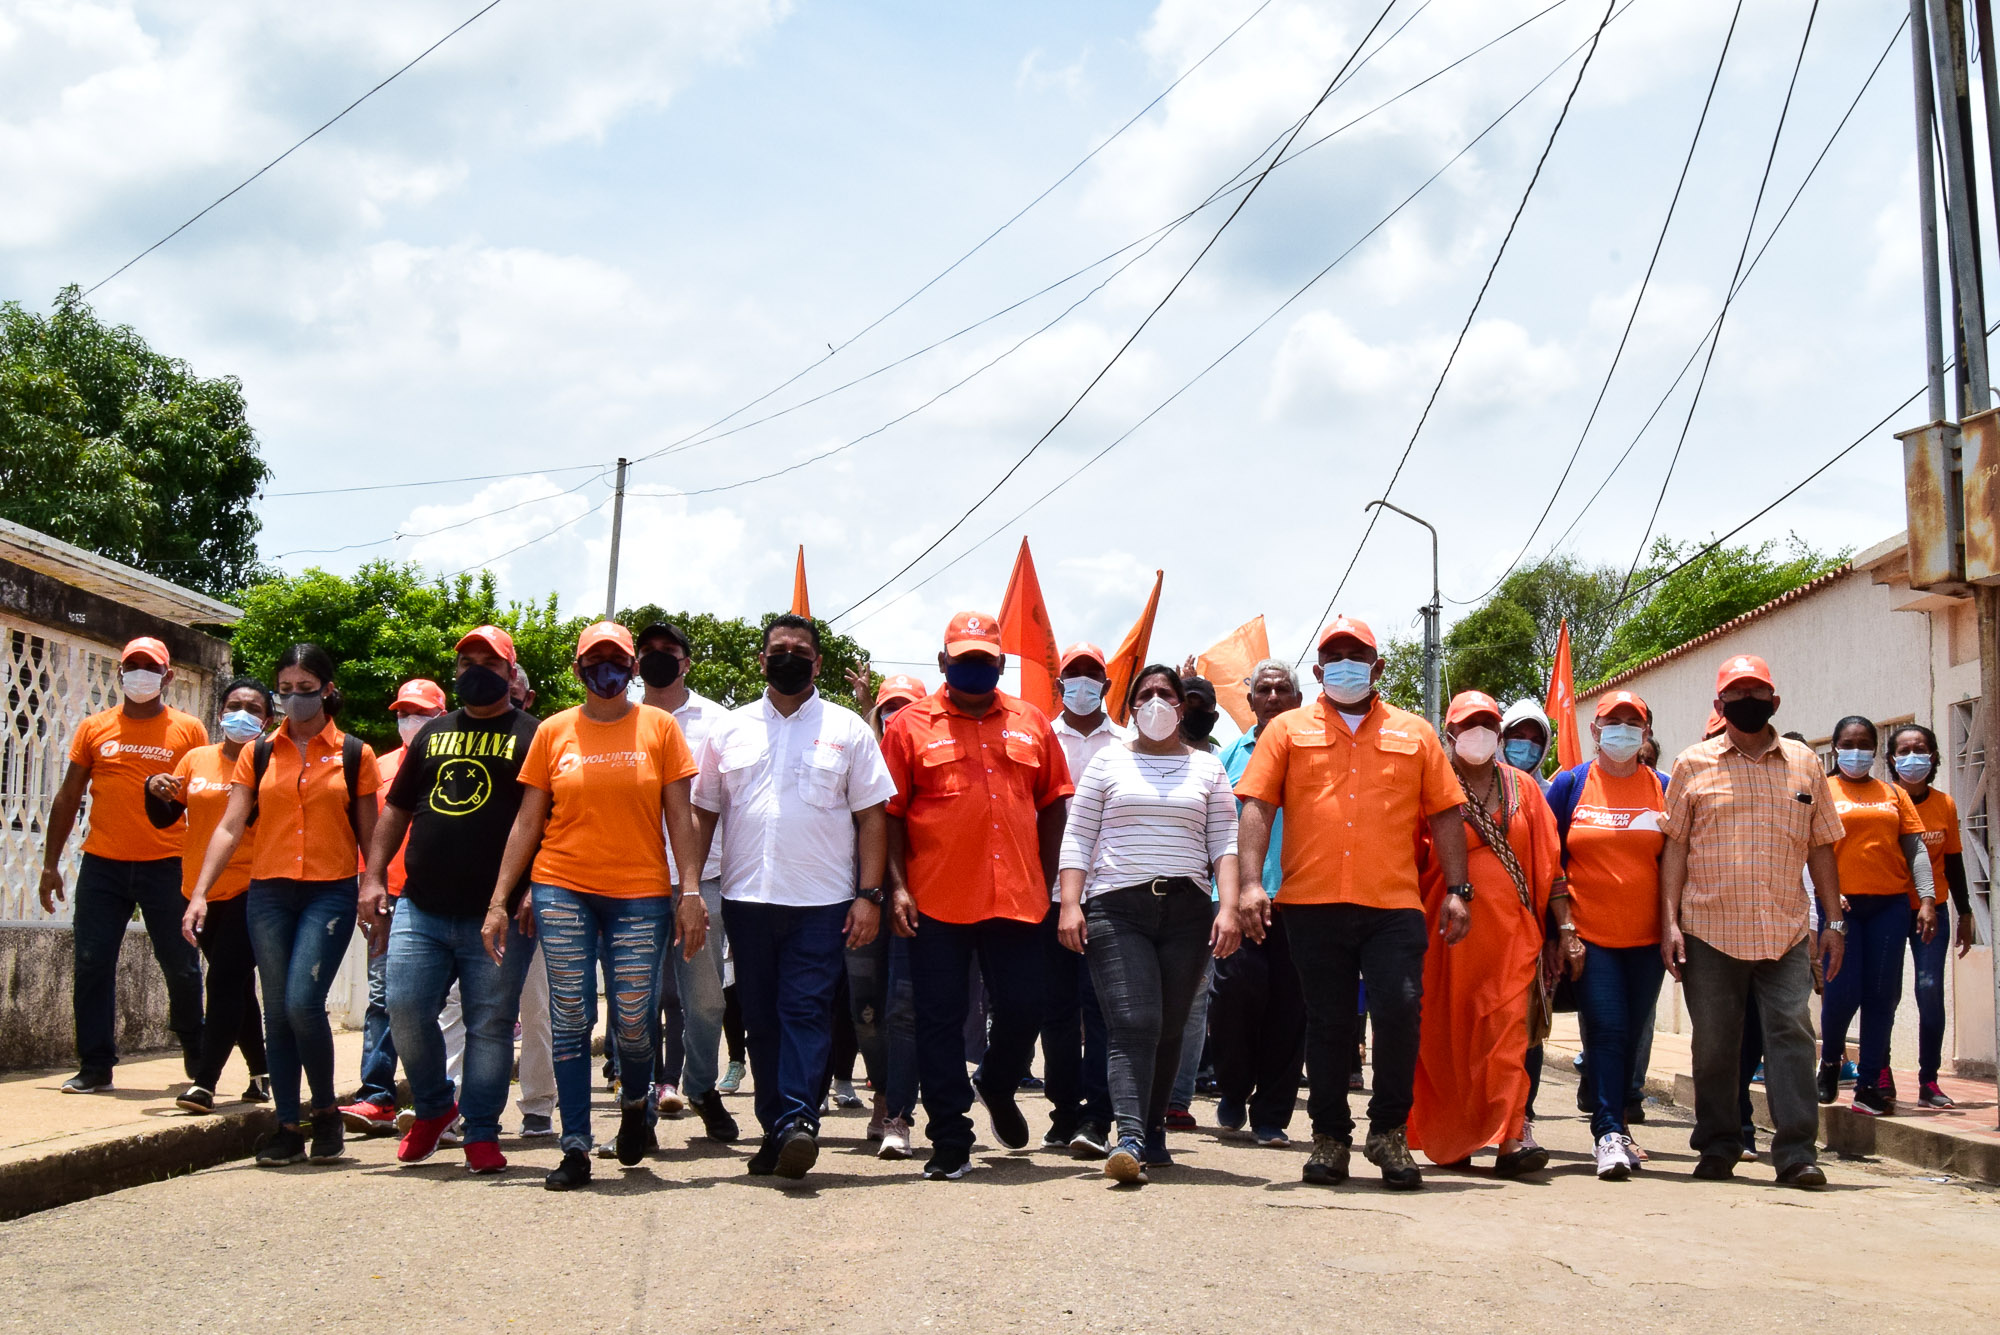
x=972, y=633
x=604, y=632
x=1743, y=667
x=902, y=686
x=1612, y=699
x=1346, y=627
x=1716, y=723
x=494, y=638
x=419, y=693
x=1470, y=704
x=148, y=648
x=1082, y=649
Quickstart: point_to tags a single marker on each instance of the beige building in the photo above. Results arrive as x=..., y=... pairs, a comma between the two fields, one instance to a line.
x=1859, y=640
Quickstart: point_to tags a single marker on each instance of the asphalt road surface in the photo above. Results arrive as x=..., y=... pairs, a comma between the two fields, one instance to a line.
x=1033, y=1239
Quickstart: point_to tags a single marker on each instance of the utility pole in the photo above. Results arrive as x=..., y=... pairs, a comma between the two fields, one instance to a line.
x=617, y=529
x=1433, y=626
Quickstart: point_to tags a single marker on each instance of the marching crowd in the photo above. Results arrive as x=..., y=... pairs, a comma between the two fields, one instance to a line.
x=944, y=884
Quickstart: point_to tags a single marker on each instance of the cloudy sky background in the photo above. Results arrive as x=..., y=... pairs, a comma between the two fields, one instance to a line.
x=576, y=232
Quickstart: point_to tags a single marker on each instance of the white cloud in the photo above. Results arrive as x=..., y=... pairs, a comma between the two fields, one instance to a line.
x=1324, y=366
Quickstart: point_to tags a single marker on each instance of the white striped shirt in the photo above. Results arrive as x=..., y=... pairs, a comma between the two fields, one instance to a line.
x=1135, y=816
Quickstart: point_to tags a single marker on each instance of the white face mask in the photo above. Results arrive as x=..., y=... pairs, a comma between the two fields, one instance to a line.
x=1620, y=741
x=409, y=725
x=140, y=684
x=1156, y=719
x=1082, y=695
x=1475, y=746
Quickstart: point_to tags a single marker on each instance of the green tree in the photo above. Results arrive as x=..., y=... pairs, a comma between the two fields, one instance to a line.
x=724, y=666
x=1402, y=683
x=1719, y=587
x=110, y=445
x=1504, y=647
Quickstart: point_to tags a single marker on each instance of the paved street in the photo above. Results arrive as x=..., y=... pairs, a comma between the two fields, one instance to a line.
x=1031, y=1240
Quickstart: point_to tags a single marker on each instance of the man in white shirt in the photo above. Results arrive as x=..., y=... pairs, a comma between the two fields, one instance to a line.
x=691, y=987
x=1074, y=1050
x=798, y=787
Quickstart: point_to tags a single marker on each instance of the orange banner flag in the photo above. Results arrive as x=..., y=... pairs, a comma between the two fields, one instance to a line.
x=1025, y=633
x=1227, y=664
x=1131, y=655
x=1561, y=704
x=801, y=605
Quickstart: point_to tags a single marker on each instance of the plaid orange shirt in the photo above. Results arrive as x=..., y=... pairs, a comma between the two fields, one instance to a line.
x=1748, y=823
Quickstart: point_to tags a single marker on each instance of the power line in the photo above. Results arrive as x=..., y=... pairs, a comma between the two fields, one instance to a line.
x=293, y=149
x=433, y=482
x=1749, y=233
x=1632, y=319
x=477, y=565
x=446, y=528
x=1376, y=514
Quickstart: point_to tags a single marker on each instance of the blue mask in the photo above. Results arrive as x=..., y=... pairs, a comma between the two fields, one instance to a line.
x=1914, y=766
x=607, y=681
x=1620, y=741
x=240, y=725
x=1347, y=681
x=972, y=677
x=1524, y=754
x=1855, y=764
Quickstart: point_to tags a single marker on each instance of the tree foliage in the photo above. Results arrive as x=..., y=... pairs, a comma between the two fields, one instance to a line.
x=1719, y=587
x=119, y=449
x=724, y=667
x=1402, y=683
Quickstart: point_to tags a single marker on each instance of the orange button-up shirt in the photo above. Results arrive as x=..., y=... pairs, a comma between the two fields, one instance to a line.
x=1352, y=800
x=302, y=832
x=969, y=791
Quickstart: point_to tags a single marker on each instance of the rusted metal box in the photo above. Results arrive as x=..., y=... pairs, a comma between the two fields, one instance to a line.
x=1979, y=455
x=1937, y=553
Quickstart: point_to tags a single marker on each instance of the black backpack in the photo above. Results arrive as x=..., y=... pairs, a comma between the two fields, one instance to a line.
x=350, y=770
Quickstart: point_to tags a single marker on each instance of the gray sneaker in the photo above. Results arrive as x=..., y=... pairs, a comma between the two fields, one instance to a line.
x=1390, y=1152
x=1327, y=1164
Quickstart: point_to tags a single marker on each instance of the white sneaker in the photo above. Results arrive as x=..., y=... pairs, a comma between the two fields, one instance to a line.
x=844, y=1095
x=1613, y=1165
x=895, y=1139
x=669, y=1099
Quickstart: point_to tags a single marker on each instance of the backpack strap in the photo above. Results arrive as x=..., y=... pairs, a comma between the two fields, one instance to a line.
x=350, y=770
x=260, y=760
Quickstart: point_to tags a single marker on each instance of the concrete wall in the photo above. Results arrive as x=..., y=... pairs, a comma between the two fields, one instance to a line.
x=37, y=1024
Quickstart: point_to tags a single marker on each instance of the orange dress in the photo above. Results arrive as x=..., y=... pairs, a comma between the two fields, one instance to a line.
x=1472, y=1080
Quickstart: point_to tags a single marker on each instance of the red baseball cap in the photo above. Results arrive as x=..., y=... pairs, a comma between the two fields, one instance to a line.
x=494, y=638
x=972, y=633
x=1716, y=723
x=1082, y=649
x=604, y=632
x=902, y=686
x=1610, y=700
x=419, y=693
x=1743, y=667
x=1346, y=627
x=1470, y=704
x=148, y=648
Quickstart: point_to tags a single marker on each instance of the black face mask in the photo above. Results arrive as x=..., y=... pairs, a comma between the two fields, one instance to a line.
x=659, y=668
x=1748, y=714
x=480, y=686
x=788, y=673
x=1197, y=724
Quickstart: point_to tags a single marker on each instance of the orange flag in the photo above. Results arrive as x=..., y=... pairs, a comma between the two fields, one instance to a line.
x=1227, y=663
x=1561, y=704
x=1025, y=633
x=801, y=605
x=1131, y=655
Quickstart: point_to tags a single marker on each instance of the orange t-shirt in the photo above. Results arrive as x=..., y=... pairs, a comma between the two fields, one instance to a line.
x=121, y=753
x=387, y=766
x=607, y=832
x=970, y=792
x=1941, y=837
x=1875, y=816
x=1353, y=801
x=206, y=777
x=1614, y=858
x=302, y=832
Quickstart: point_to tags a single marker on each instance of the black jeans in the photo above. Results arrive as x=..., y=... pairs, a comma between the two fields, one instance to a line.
x=232, y=1019
x=1334, y=947
x=1148, y=952
x=942, y=955
x=1257, y=1028
x=1073, y=1039
x=106, y=893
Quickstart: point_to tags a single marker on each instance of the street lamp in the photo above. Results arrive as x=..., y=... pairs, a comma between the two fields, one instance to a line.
x=1433, y=616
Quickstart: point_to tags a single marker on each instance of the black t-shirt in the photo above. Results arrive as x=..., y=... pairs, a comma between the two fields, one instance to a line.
x=459, y=785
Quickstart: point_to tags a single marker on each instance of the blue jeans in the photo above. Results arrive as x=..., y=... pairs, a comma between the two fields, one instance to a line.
x=1613, y=998
x=1075, y=1067
x=106, y=893
x=1930, y=960
x=1194, y=1039
x=426, y=952
x=378, y=1044
x=885, y=1018
x=788, y=965
x=699, y=982
x=1008, y=954
x=1870, y=981
x=575, y=930
x=299, y=930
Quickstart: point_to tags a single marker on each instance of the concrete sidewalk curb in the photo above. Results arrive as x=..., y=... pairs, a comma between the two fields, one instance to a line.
x=176, y=1147
x=1847, y=1132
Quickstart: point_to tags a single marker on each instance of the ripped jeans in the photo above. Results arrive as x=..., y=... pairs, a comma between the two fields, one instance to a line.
x=299, y=931
x=574, y=930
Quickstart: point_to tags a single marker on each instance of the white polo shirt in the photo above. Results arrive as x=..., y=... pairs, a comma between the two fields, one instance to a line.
x=696, y=716
x=1079, y=749
x=787, y=790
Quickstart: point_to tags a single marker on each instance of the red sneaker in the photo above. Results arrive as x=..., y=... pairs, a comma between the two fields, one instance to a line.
x=420, y=1142
x=368, y=1119
x=484, y=1156
x=1180, y=1119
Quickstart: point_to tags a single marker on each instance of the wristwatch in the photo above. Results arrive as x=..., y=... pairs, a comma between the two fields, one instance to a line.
x=873, y=894
x=1464, y=892
x=1838, y=925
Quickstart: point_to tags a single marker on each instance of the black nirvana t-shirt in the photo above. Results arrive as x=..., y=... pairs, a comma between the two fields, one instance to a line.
x=458, y=784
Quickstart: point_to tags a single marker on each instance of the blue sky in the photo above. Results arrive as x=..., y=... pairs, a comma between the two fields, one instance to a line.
x=580, y=232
